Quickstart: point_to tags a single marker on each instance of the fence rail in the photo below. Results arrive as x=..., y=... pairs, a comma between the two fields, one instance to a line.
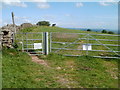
x=84, y=43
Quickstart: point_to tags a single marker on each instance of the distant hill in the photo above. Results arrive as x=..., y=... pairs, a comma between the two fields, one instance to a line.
x=95, y=30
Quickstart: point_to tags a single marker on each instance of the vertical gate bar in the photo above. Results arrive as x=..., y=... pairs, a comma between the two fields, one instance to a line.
x=22, y=44
x=87, y=45
x=47, y=46
x=27, y=42
x=32, y=40
x=42, y=43
x=45, y=43
x=50, y=41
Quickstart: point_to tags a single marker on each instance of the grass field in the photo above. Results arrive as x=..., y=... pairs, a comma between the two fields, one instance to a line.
x=62, y=72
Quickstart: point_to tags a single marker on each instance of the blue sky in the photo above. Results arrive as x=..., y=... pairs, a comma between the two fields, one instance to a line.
x=64, y=14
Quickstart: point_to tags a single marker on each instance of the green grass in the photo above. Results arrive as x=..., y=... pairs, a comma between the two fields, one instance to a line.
x=63, y=72
x=20, y=72
x=52, y=29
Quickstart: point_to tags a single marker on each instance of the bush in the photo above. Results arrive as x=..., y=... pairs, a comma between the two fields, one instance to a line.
x=104, y=31
x=43, y=23
x=110, y=32
x=89, y=30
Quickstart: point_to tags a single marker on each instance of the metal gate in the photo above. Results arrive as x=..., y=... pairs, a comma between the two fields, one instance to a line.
x=79, y=44
x=35, y=43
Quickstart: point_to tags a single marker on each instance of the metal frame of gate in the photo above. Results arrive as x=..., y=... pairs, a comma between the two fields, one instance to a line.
x=86, y=37
x=27, y=40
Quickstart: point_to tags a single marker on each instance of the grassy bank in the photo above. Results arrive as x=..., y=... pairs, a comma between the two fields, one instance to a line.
x=66, y=72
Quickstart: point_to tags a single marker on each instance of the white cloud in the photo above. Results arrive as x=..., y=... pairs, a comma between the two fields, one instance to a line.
x=37, y=0
x=107, y=2
x=79, y=4
x=23, y=19
x=21, y=3
x=68, y=15
x=104, y=4
x=14, y=3
x=43, y=5
x=27, y=21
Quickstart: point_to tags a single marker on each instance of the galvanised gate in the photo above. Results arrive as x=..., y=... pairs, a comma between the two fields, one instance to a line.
x=79, y=44
x=35, y=43
x=69, y=44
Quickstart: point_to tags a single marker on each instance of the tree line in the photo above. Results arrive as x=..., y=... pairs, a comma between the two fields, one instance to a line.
x=103, y=31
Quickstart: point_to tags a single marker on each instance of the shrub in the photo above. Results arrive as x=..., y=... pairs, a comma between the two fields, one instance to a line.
x=104, y=31
x=43, y=23
x=89, y=30
x=110, y=32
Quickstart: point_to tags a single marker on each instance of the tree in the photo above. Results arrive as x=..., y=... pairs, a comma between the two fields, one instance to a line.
x=53, y=25
x=43, y=23
x=110, y=32
x=89, y=30
x=104, y=31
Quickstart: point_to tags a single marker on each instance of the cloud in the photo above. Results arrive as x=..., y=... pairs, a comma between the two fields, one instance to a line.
x=79, y=4
x=43, y=5
x=107, y=2
x=17, y=3
x=104, y=4
x=67, y=15
x=37, y=0
x=23, y=19
x=20, y=3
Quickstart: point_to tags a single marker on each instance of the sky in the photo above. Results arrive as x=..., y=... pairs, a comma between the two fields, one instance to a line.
x=93, y=15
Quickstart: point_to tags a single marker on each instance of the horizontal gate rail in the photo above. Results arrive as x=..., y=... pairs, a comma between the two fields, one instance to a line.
x=30, y=33
x=83, y=50
x=84, y=43
x=93, y=56
x=36, y=52
x=28, y=39
x=33, y=39
x=99, y=39
x=105, y=57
